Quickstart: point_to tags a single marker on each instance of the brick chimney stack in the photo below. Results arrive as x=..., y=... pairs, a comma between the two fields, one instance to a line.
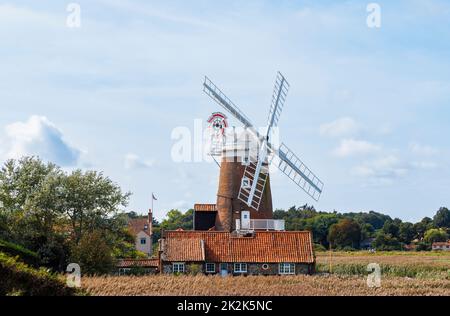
x=150, y=222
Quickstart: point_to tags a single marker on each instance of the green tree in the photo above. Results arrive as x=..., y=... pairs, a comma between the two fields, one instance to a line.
x=346, y=233
x=375, y=219
x=406, y=232
x=435, y=235
x=386, y=242
x=93, y=254
x=442, y=218
x=90, y=199
x=421, y=227
x=392, y=228
x=367, y=231
x=21, y=183
x=176, y=219
x=320, y=226
x=46, y=209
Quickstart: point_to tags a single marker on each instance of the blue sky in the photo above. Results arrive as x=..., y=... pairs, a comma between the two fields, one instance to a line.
x=368, y=109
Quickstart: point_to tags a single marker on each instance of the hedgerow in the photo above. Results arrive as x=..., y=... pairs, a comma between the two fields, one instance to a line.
x=17, y=278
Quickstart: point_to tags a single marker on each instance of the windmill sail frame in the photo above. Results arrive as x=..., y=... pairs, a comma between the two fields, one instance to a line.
x=258, y=167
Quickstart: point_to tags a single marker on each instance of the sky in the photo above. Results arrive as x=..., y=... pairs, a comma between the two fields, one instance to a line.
x=368, y=108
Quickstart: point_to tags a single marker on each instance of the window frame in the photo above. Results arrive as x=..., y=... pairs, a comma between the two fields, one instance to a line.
x=178, y=264
x=286, y=268
x=143, y=241
x=240, y=265
x=210, y=264
x=246, y=183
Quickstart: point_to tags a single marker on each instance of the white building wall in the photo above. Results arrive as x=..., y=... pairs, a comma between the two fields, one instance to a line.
x=145, y=248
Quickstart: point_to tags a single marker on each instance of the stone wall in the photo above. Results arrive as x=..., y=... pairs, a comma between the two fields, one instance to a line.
x=252, y=268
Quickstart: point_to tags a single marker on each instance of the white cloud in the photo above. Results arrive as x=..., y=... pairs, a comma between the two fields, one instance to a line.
x=39, y=137
x=133, y=161
x=340, y=127
x=351, y=147
x=383, y=170
x=423, y=150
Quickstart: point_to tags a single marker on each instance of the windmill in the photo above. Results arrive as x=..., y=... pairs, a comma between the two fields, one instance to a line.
x=254, y=190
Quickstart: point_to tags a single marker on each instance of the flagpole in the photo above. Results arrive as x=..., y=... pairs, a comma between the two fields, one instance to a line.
x=152, y=203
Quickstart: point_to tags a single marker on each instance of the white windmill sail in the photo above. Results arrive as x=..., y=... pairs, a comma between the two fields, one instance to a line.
x=257, y=171
x=298, y=172
x=258, y=176
x=280, y=92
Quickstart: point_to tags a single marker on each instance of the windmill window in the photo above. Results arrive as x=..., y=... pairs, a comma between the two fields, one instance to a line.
x=240, y=268
x=246, y=183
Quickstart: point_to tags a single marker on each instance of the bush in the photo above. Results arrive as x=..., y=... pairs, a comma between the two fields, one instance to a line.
x=93, y=254
x=20, y=279
x=423, y=246
x=27, y=256
x=319, y=248
x=435, y=235
x=194, y=269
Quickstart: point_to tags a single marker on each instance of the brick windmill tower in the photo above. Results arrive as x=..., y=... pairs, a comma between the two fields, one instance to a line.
x=244, y=198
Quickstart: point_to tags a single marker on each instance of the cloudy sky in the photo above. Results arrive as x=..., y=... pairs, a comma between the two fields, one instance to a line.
x=368, y=109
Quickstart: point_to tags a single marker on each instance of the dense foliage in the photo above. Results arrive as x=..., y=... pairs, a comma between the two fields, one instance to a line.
x=56, y=214
x=50, y=217
x=20, y=279
x=346, y=231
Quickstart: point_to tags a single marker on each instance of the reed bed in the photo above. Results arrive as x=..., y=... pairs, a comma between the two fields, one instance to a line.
x=403, y=273
x=317, y=285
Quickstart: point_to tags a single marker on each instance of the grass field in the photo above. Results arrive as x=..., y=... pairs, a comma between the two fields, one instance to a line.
x=402, y=274
x=399, y=264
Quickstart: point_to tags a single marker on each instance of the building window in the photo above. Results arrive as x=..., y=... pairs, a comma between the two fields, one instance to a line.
x=178, y=267
x=143, y=241
x=240, y=268
x=287, y=268
x=246, y=183
x=265, y=266
x=210, y=268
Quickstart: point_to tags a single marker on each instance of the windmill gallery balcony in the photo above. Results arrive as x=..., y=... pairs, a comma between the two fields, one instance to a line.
x=261, y=224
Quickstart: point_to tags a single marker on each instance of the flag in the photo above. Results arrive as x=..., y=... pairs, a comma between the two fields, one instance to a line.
x=154, y=198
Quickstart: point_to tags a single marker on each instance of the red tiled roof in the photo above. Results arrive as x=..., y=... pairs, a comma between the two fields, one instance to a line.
x=205, y=208
x=184, y=249
x=129, y=263
x=137, y=225
x=270, y=247
x=440, y=244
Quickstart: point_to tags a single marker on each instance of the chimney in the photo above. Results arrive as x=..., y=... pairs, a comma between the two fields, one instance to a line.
x=150, y=222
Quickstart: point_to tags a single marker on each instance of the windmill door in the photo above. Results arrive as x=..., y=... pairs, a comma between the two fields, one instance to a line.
x=245, y=220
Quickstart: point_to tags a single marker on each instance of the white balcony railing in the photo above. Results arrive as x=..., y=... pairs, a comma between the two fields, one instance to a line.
x=261, y=224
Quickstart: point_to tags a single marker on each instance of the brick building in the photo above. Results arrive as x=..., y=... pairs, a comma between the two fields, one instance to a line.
x=220, y=252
